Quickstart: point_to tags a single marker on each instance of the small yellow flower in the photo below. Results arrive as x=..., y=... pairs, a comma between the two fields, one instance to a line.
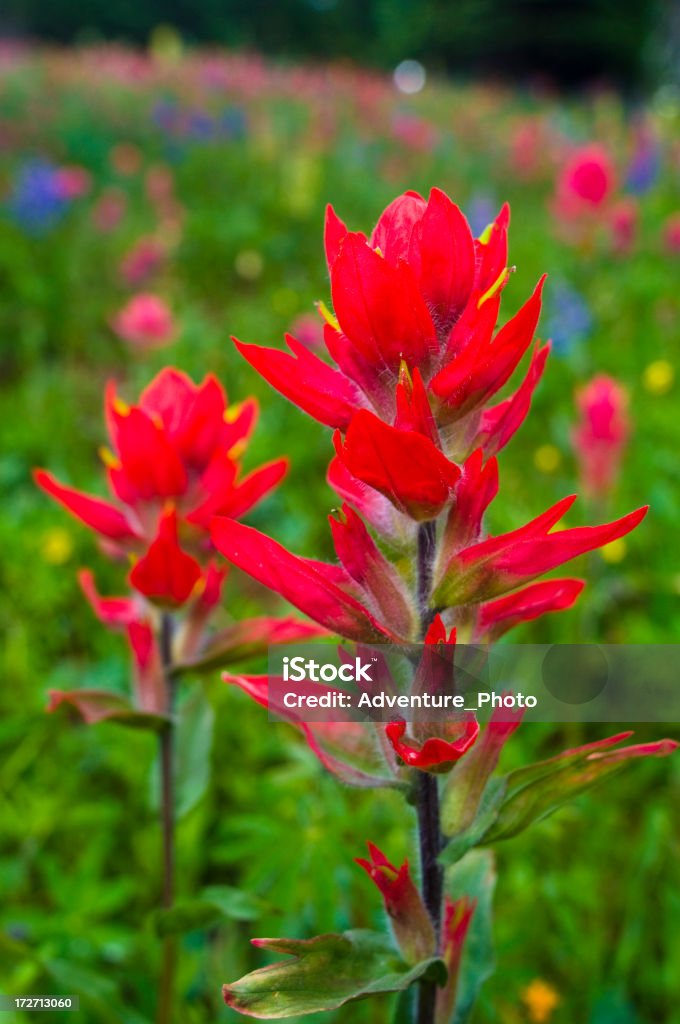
x=614, y=552
x=541, y=1001
x=547, y=458
x=249, y=264
x=56, y=546
x=658, y=377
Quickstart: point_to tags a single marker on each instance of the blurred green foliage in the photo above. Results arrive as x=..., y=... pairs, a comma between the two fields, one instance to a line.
x=588, y=901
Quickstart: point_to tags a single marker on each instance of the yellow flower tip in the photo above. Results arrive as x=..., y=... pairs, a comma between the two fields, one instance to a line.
x=614, y=552
x=541, y=1001
x=379, y=251
x=232, y=412
x=486, y=234
x=405, y=377
x=56, y=546
x=659, y=377
x=110, y=460
x=121, y=407
x=237, y=450
x=547, y=458
x=496, y=286
x=330, y=319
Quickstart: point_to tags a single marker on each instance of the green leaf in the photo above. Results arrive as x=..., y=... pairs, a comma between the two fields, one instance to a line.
x=215, y=904
x=194, y=745
x=104, y=705
x=324, y=973
x=535, y=792
x=234, y=903
x=475, y=877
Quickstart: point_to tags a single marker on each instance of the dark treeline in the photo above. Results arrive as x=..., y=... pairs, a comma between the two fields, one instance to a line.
x=568, y=41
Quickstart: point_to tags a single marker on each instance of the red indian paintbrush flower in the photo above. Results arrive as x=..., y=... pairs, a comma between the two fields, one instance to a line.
x=174, y=462
x=420, y=294
x=600, y=437
x=418, y=364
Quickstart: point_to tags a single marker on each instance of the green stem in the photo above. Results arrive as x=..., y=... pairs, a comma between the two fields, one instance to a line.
x=167, y=811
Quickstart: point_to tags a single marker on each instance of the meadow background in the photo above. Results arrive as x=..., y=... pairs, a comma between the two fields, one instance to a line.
x=225, y=161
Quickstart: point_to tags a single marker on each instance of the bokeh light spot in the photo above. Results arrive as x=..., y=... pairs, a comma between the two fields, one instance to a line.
x=409, y=76
x=547, y=458
x=658, y=377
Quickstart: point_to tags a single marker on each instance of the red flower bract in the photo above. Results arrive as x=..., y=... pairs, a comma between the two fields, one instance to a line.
x=178, y=448
x=434, y=754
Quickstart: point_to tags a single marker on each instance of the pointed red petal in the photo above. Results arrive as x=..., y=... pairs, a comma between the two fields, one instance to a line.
x=299, y=581
x=99, y=515
x=304, y=379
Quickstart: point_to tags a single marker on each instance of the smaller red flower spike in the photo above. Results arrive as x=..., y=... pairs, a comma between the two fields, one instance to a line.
x=404, y=465
x=410, y=920
x=434, y=754
x=166, y=574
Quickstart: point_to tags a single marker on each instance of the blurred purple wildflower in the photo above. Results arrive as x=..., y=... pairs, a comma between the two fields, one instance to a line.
x=480, y=211
x=645, y=166
x=569, y=319
x=37, y=199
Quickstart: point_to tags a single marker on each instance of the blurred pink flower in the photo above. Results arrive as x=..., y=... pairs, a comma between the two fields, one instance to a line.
x=415, y=132
x=142, y=261
x=159, y=183
x=109, y=210
x=527, y=147
x=623, y=222
x=588, y=177
x=74, y=181
x=600, y=437
x=671, y=234
x=145, y=322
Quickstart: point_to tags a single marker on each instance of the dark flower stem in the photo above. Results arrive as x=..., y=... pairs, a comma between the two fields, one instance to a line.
x=167, y=810
x=427, y=794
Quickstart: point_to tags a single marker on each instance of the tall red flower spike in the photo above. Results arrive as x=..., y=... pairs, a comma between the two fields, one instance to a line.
x=412, y=393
